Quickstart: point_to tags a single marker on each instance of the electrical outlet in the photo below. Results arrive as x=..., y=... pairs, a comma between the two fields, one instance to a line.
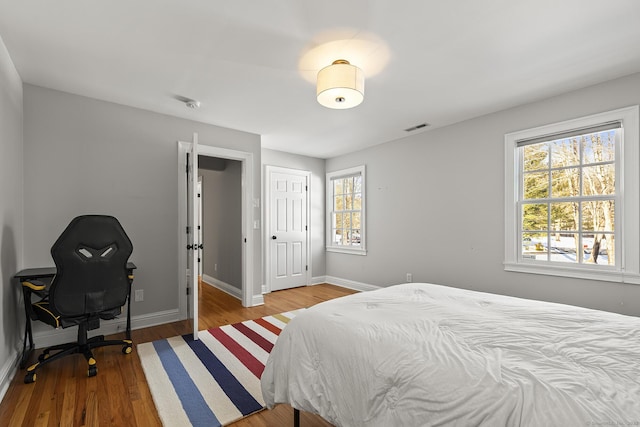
x=139, y=295
x=409, y=277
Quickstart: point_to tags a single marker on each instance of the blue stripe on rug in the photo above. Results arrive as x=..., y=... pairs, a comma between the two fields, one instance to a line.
x=236, y=392
x=194, y=405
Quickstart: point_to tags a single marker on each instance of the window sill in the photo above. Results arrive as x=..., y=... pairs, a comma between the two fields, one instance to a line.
x=352, y=251
x=577, y=273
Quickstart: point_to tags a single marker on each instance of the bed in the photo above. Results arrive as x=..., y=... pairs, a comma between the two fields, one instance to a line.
x=428, y=355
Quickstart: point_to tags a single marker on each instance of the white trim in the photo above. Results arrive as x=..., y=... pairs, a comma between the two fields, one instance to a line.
x=257, y=300
x=578, y=273
x=318, y=280
x=346, y=249
x=350, y=284
x=628, y=197
x=247, y=222
x=329, y=247
x=8, y=372
x=223, y=286
x=268, y=170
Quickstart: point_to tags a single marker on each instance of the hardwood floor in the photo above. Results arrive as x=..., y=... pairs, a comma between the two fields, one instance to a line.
x=118, y=396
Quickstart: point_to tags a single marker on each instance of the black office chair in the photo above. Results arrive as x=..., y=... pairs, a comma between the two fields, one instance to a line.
x=93, y=281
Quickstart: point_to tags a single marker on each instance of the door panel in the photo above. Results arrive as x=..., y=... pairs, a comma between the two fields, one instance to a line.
x=288, y=230
x=297, y=266
x=192, y=234
x=281, y=260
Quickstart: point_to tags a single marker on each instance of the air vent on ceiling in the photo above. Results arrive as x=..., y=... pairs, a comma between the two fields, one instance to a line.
x=416, y=127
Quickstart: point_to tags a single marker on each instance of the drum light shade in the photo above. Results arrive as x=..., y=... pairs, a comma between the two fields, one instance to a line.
x=340, y=85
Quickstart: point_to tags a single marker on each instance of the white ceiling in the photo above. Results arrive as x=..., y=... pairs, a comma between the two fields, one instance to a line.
x=252, y=64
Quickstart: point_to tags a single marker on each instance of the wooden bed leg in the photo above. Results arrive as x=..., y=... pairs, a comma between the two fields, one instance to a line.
x=296, y=417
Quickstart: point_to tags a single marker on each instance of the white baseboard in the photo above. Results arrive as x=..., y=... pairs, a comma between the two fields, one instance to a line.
x=232, y=290
x=349, y=284
x=7, y=372
x=49, y=337
x=223, y=286
x=257, y=300
x=318, y=280
x=345, y=283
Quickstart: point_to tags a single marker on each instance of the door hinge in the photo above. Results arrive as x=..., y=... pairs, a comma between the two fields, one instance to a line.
x=198, y=194
x=188, y=229
x=306, y=228
x=306, y=268
x=306, y=188
x=187, y=291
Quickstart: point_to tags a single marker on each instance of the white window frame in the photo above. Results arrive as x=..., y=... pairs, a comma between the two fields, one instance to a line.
x=330, y=247
x=627, y=200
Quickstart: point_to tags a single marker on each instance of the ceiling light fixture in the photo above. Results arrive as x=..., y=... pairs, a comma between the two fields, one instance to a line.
x=340, y=85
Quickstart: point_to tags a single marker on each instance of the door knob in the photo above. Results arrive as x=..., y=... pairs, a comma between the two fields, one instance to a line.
x=273, y=237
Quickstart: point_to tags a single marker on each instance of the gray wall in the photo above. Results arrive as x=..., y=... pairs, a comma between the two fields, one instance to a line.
x=434, y=202
x=222, y=223
x=88, y=156
x=435, y=206
x=317, y=202
x=11, y=215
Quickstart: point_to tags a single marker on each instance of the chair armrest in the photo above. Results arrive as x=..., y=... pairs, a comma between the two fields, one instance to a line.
x=34, y=286
x=30, y=287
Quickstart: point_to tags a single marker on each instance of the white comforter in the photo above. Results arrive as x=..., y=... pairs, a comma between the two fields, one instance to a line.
x=429, y=355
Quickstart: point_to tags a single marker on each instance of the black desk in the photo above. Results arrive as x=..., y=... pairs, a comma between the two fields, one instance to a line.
x=32, y=274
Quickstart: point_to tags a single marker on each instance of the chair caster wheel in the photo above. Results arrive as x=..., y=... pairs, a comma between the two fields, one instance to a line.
x=43, y=357
x=127, y=349
x=30, y=378
x=93, y=371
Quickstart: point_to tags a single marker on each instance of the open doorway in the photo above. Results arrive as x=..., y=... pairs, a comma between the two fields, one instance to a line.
x=221, y=223
x=188, y=287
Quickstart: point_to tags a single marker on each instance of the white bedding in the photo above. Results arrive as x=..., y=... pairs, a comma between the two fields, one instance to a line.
x=430, y=355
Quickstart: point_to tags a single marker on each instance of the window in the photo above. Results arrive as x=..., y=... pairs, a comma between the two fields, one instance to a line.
x=345, y=211
x=572, y=198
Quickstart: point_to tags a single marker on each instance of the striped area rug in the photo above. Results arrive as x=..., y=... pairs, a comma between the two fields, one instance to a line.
x=215, y=380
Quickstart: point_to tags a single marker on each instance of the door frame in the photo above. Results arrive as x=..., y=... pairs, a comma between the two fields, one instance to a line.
x=246, y=159
x=268, y=170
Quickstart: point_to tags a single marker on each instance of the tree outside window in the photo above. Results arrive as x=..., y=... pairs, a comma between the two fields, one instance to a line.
x=568, y=200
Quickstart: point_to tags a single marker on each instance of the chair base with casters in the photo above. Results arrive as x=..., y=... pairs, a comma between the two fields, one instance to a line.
x=83, y=345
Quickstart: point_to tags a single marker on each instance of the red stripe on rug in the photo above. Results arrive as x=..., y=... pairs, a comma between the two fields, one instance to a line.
x=268, y=326
x=254, y=336
x=247, y=359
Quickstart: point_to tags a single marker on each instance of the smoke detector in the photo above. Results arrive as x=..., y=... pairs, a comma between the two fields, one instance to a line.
x=192, y=103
